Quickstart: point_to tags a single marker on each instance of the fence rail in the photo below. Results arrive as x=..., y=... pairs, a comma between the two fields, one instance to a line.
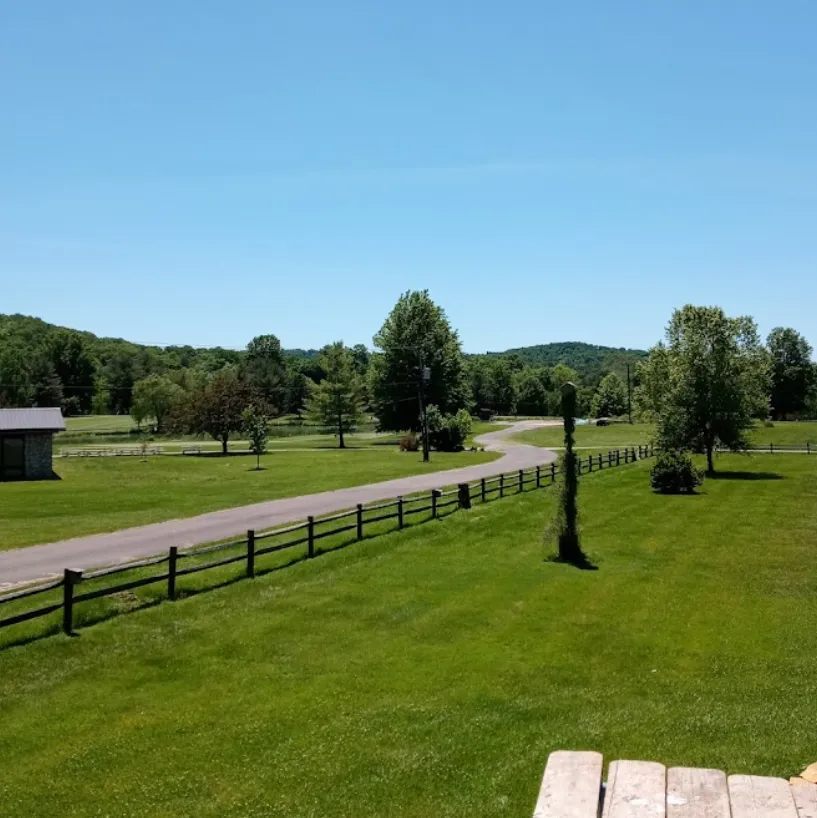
x=306, y=533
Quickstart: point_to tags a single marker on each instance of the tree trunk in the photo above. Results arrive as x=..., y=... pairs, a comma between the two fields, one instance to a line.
x=342, y=444
x=224, y=444
x=710, y=463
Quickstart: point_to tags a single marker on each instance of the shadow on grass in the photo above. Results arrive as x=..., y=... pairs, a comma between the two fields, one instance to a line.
x=744, y=475
x=583, y=564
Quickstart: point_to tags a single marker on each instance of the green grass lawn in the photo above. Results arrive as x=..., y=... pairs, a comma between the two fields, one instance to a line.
x=792, y=433
x=430, y=672
x=105, y=494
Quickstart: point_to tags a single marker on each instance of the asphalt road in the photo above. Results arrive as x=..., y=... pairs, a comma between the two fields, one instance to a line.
x=98, y=550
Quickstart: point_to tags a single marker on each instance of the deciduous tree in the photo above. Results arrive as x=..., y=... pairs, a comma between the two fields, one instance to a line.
x=792, y=372
x=416, y=334
x=155, y=397
x=610, y=399
x=708, y=384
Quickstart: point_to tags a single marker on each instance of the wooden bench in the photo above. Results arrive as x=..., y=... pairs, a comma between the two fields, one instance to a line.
x=572, y=788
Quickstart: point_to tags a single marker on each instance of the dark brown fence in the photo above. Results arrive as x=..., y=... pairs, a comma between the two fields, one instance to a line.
x=179, y=563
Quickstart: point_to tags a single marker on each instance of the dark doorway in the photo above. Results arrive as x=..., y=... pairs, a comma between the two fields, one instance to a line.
x=12, y=457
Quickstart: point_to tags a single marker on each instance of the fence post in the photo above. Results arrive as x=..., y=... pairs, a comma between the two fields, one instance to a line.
x=590, y=462
x=552, y=472
x=538, y=476
x=400, y=511
x=464, y=495
x=521, y=481
x=482, y=488
x=360, y=521
x=618, y=457
x=435, y=493
x=172, y=560
x=310, y=536
x=502, y=485
x=250, y=553
x=627, y=455
x=771, y=448
x=808, y=447
x=633, y=457
x=601, y=462
x=71, y=577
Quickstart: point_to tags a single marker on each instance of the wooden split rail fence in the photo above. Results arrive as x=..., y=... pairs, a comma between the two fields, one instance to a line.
x=66, y=592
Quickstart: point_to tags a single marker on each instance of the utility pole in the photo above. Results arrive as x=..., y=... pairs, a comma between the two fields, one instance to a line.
x=423, y=376
x=629, y=396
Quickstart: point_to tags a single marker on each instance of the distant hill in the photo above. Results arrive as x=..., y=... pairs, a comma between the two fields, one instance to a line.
x=587, y=359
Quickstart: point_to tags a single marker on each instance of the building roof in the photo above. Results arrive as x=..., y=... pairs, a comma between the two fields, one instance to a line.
x=31, y=420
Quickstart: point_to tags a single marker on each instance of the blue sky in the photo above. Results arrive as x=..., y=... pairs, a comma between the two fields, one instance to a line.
x=201, y=172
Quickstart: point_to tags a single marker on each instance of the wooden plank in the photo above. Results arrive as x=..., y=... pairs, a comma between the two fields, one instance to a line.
x=694, y=793
x=755, y=796
x=570, y=786
x=635, y=789
x=805, y=799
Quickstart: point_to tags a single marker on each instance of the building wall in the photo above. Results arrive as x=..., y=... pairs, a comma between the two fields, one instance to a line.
x=38, y=454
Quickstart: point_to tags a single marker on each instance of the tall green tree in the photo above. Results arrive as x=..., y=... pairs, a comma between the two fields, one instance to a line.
x=610, y=399
x=416, y=334
x=502, y=385
x=75, y=366
x=264, y=370
x=155, y=397
x=791, y=370
x=46, y=382
x=531, y=394
x=337, y=401
x=16, y=387
x=217, y=408
x=708, y=384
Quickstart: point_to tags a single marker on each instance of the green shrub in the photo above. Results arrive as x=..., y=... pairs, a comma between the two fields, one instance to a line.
x=448, y=433
x=674, y=473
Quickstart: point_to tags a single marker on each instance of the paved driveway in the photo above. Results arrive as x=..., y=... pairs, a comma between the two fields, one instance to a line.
x=97, y=550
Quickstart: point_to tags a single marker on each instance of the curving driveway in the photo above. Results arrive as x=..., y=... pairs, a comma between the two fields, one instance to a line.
x=97, y=550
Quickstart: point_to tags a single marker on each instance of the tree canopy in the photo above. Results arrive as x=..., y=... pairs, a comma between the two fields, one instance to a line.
x=415, y=335
x=708, y=383
x=337, y=401
x=792, y=372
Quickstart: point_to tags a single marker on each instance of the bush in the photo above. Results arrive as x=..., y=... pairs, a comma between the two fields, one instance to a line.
x=409, y=442
x=448, y=433
x=674, y=473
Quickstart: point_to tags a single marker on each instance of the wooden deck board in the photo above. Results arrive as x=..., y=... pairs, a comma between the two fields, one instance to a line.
x=755, y=796
x=635, y=789
x=805, y=799
x=571, y=786
x=696, y=793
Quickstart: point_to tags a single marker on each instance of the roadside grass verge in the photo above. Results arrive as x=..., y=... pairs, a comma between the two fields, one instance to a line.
x=108, y=493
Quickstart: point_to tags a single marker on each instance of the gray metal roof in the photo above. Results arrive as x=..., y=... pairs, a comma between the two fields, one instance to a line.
x=31, y=420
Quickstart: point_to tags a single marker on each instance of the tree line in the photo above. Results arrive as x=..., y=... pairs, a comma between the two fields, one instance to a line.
x=417, y=360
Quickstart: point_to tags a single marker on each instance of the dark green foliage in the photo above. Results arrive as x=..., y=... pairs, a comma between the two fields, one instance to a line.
x=675, y=473
x=792, y=372
x=591, y=360
x=416, y=334
x=448, y=433
x=337, y=401
x=263, y=369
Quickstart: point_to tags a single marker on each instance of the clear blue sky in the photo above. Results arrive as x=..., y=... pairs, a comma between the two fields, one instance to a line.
x=202, y=172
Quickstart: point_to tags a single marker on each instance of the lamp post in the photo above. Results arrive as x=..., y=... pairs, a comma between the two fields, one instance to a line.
x=423, y=377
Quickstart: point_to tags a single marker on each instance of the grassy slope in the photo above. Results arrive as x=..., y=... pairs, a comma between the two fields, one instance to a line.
x=104, y=494
x=430, y=672
x=623, y=434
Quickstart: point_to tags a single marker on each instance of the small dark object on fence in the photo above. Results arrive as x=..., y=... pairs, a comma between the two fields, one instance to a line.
x=172, y=562
x=464, y=495
x=310, y=536
x=250, y=553
x=435, y=494
x=400, y=512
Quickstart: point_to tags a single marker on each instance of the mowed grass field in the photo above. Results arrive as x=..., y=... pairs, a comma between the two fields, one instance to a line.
x=603, y=438
x=430, y=672
x=106, y=494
